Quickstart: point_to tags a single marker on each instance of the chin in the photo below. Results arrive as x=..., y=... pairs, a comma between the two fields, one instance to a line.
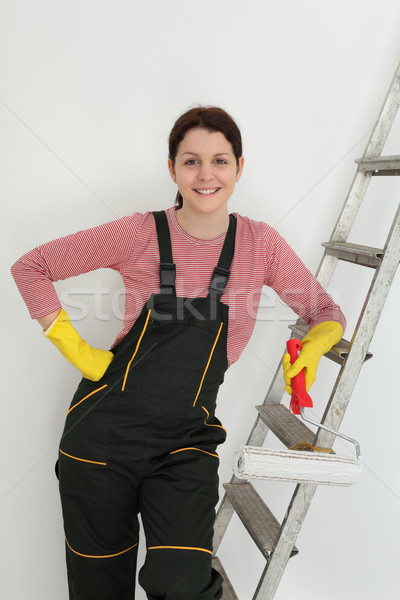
x=207, y=205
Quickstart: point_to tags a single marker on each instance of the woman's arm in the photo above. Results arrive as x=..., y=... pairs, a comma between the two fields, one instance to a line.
x=105, y=246
x=295, y=284
x=46, y=321
x=299, y=289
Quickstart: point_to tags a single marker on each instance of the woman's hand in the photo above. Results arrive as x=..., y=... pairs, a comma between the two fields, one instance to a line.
x=314, y=345
x=91, y=362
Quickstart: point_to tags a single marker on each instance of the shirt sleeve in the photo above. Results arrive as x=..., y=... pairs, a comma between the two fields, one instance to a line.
x=108, y=245
x=294, y=283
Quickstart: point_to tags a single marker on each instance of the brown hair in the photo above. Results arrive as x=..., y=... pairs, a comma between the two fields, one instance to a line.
x=211, y=118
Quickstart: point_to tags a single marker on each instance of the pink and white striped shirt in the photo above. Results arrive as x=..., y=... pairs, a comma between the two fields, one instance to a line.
x=129, y=245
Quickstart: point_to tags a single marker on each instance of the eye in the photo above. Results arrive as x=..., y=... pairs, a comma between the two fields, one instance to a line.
x=190, y=162
x=221, y=161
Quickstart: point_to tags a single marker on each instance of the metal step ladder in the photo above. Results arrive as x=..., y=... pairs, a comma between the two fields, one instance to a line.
x=277, y=541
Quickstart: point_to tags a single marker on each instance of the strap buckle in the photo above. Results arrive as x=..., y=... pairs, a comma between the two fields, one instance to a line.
x=167, y=275
x=219, y=280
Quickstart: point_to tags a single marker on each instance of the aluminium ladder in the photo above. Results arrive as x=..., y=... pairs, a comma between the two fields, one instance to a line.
x=277, y=542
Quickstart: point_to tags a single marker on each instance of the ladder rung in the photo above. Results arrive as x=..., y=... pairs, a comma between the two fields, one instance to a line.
x=287, y=427
x=338, y=353
x=380, y=165
x=354, y=253
x=255, y=516
x=228, y=593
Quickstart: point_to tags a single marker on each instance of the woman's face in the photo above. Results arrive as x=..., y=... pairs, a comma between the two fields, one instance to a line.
x=205, y=170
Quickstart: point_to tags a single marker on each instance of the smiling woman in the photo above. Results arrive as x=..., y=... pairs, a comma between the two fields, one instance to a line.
x=205, y=170
x=211, y=119
x=141, y=434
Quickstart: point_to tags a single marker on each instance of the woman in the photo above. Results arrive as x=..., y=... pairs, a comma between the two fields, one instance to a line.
x=141, y=432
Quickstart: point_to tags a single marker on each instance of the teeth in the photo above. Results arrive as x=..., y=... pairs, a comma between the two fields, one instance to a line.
x=206, y=192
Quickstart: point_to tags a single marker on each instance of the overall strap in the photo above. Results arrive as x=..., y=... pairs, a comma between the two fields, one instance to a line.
x=167, y=266
x=222, y=270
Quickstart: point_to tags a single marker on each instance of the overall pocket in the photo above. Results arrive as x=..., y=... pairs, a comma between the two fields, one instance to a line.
x=81, y=476
x=204, y=428
x=82, y=463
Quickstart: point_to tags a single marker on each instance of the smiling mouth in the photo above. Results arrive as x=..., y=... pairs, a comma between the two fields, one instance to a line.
x=208, y=191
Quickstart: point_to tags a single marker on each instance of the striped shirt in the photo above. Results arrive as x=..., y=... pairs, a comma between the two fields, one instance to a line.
x=129, y=245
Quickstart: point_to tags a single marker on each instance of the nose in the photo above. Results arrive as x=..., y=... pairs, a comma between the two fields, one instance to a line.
x=205, y=172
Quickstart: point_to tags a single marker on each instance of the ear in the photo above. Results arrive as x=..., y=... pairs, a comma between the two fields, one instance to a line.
x=239, y=168
x=171, y=170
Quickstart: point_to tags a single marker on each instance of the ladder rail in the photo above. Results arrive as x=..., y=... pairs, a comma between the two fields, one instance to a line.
x=290, y=529
x=362, y=179
x=223, y=518
x=363, y=333
x=385, y=119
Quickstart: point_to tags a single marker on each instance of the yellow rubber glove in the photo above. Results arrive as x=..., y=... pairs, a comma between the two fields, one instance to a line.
x=314, y=345
x=91, y=362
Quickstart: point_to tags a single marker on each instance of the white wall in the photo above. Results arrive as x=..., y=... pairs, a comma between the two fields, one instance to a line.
x=89, y=91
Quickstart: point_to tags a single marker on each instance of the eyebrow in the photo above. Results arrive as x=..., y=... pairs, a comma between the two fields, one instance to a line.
x=218, y=154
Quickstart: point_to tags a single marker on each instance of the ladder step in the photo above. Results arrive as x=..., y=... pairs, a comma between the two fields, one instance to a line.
x=255, y=516
x=287, y=427
x=380, y=165
x=228, y=593
x=338, y=353
x=354, y=253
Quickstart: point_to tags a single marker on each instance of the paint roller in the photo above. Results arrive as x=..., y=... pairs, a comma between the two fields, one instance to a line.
x=303, y=463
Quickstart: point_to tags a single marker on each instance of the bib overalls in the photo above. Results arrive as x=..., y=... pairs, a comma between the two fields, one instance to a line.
x=143, y=439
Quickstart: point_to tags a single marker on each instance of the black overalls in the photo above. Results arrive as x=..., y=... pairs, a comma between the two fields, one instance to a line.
x=143, y=439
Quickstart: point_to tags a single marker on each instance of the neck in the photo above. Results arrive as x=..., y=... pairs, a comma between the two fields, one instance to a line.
x=203, y=226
